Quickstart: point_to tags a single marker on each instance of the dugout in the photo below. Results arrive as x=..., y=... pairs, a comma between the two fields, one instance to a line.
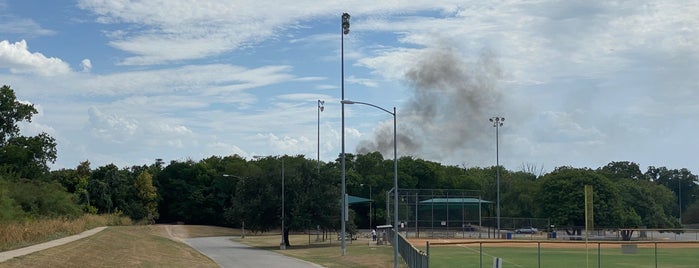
x=440, y=212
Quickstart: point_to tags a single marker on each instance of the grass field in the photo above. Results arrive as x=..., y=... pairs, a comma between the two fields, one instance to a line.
x=117, y=246
x=160, y=246
x=359, y=253
x=561, y=256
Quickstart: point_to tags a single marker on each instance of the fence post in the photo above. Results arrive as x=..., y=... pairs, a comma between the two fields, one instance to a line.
x=481, y=253
x=428, y=254
x=538, y=246
x=656, y=254
x=599, y=255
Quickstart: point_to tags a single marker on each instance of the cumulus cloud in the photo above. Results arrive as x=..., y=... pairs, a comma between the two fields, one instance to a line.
x=110, y=128
x=87, y=65
x=287, y=144
x=17, y=58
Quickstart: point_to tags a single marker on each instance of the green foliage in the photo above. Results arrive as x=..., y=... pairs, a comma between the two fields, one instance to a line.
x=691, y=215
x=12, y=112
x=146, y=202
x=24, y=157
x=9, y=209
x=39, y=199
x=561, y=198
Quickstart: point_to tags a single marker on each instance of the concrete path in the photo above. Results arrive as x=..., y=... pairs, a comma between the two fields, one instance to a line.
x=6, y=255
x=229, y=254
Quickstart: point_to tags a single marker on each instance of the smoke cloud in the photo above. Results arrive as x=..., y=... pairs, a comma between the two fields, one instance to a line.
x=449, y=108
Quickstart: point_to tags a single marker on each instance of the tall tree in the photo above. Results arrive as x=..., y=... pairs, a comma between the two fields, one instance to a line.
x=681, y=181
x=27, y=157
x=146, y=196
x=12, y=112
x=561, y=198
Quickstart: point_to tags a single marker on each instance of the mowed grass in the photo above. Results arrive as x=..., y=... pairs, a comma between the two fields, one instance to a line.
x=117, y=246
x=358, y=253
x=160, y=246
x=468, y=256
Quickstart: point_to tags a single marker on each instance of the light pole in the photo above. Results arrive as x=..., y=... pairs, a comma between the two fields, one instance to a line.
x=243, y=221
x=679, y=183
x=395, y=177
x=371, y=203
x=282, y=244
x=345, y=30
x=320, y=109
x=497, y=123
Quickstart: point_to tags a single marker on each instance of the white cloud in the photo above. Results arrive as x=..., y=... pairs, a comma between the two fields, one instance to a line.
x=213, y=79
x=87, y=65
x=367, y=82
x=18, y=59
x=26, y=27
x=287, y=144
x=183, y=30
x=110, y=128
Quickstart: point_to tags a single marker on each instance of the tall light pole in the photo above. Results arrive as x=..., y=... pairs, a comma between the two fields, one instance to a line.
x=243, y=221
x=282, y=244
x=320, y=109
x=371, y=203
x=679, y=183
x=345, y=30
x=497, y=123
x=395, y=177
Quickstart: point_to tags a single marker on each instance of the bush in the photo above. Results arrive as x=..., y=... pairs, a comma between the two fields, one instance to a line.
x=40, y=199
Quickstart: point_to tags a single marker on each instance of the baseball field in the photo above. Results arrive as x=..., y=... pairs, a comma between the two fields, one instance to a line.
x=569, y=254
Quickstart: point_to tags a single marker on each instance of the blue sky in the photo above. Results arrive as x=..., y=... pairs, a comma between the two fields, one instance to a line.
x=580, y=83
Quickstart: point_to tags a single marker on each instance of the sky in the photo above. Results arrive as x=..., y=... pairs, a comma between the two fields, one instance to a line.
x=579, y=83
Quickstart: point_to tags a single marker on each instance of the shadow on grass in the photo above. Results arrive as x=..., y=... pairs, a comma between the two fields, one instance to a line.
x=298, y=246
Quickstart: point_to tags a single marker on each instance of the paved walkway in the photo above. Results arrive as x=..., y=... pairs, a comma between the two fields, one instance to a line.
x=230, y=254
x=6, y=255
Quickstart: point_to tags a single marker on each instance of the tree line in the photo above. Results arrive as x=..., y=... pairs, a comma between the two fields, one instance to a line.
x=235, y=191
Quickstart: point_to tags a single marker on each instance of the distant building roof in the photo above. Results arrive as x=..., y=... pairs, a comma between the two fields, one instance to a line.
x=454, y=201
x=357, y=200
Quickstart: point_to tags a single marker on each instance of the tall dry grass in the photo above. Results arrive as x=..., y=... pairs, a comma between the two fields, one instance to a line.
x=21, y=234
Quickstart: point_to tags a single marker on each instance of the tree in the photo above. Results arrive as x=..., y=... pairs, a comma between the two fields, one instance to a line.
x=691, y=215
x=561, y=198
x=681, y=181
x=146, y=196
x=12, y=112
x=26, y=157
x=622, y=170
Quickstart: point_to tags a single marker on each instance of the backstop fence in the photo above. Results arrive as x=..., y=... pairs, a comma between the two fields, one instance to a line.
x=451, y=213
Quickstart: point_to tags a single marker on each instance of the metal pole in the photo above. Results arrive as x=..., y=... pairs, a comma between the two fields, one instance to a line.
x=395, y=174
x=395, y=193
x=283, y=244
x=371, y=203
x=388, y=208
x=497, y=172
x=320, y=109
x=679, y=183
x=345, y=30
x=480, y=216
x=497, y=123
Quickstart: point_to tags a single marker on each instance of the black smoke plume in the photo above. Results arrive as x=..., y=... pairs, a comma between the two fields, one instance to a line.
x=448, y=112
